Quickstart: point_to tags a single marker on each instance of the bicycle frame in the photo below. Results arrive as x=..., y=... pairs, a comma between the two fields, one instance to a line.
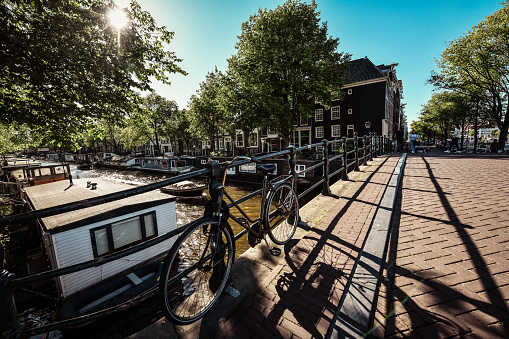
x=267, y=186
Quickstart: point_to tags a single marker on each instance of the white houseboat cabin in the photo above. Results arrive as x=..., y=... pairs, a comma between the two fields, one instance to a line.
x=82, y=235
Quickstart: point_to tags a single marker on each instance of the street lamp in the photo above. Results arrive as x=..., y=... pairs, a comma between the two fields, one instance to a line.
x=368, y=125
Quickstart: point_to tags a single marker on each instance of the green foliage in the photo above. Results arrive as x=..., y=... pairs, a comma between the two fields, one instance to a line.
x=64, y=66
x=285, y=62
x=209, y=113
x=477, y=64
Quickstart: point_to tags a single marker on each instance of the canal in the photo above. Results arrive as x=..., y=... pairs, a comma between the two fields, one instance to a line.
x=188, y=209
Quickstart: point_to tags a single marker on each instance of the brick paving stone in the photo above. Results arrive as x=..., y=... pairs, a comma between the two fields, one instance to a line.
x=452, y=211
x=300, y=297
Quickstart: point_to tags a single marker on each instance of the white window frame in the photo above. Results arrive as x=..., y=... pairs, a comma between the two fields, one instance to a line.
x=350, y=128
x=350, y=111
x=319, y=114
x=350, y=91
x=248, y=168
x=300, y=168
x=333, y=112
x=333, y=135
x=109, y=234
x=303, y=122
x=239, y=140
x=318, y=135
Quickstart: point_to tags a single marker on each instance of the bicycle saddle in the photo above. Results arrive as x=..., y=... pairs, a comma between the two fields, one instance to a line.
x=265, y=168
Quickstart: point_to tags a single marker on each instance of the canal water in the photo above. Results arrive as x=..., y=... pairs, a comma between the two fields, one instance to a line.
x=188, y=209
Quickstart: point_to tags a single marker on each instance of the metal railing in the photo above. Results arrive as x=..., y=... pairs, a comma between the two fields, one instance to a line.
x=346, y=151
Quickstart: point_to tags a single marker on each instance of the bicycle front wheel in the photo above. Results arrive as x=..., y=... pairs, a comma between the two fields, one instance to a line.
x=195, y=271
x=282, y=213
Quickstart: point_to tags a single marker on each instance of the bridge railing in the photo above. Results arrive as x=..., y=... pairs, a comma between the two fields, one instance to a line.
x=346, y=151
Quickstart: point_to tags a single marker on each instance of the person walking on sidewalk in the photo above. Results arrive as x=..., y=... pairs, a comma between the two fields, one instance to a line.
x=455, y=138
x=399, y=135
x=413, y=139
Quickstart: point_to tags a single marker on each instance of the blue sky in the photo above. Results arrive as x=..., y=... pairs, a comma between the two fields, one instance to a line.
x=411, y=33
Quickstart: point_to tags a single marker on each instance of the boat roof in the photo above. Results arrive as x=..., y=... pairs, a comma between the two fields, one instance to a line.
x=60, y=192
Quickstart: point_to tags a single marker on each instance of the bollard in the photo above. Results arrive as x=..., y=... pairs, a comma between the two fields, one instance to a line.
x=345, y=163
x=326, y=179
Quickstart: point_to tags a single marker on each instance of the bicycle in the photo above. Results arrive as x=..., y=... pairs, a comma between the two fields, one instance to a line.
x=199, y=263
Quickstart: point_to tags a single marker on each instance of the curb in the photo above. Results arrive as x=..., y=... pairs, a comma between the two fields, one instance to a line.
x=357, y=306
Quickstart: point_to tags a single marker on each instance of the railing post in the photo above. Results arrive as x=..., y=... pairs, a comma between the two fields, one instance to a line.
x=215, y=172
x=364, y=143
x=8, y=314
x=326, y=178
x=345, y=162
x=371, y=146
x=292, y=162
x=356, y=147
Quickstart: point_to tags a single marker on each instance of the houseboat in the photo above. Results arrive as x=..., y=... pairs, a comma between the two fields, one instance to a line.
x=166, y=165
x=117, y=162
x=86, y=234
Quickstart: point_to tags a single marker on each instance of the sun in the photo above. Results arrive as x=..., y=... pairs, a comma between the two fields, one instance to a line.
x=118, y=18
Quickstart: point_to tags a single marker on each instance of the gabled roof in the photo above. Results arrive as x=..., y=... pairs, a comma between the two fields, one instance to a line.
x=362, y=70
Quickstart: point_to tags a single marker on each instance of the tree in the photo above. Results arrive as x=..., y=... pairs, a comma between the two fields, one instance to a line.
x=155, y=118
x=479, y=63
x=440, y=113
x=285, y=62
x=64, y=66
x=208, y=114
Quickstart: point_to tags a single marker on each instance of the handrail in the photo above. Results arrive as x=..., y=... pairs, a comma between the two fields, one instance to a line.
x=373, y=146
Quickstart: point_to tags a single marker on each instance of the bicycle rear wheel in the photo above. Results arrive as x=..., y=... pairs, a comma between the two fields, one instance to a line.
x=282, y=213
x=195, y=271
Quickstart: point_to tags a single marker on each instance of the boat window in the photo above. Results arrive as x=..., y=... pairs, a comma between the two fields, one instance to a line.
x=44, y=171
x=149, y=225
x=101, y=240
x=119, y=235
x=126, y=232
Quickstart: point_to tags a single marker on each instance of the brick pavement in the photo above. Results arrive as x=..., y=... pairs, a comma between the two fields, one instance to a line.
x=301, y=295
x=450, y=245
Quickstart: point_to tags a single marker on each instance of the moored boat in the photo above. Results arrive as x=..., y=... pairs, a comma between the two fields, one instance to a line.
x=185, y=189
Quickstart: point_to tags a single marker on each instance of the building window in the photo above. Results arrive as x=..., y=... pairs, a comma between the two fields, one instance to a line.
x=239, y=140
x=319, y=132
x=335, y=96
x=319, y=114
x=303, y=122
x=350, y=111
x=349, y=91
x=253, y=139
x=349, y=131
x=336, y=131
x=335, y=147
x=334, y=111
x=122, y=234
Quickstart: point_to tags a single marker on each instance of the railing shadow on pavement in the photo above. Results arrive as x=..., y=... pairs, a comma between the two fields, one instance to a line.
x=310, y=275
x=400, y=304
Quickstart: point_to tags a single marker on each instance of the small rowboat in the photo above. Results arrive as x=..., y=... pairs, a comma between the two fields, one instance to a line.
x=185, y=189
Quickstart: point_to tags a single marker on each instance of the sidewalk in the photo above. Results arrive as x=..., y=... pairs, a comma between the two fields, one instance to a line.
x=299, y=298
x=447, y=272
x=449, y=249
